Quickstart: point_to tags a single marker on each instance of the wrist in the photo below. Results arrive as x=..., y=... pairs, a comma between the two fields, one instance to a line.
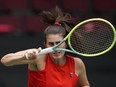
x=26, y=56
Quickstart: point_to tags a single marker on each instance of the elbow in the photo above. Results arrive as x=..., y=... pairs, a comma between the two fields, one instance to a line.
x=5, y=62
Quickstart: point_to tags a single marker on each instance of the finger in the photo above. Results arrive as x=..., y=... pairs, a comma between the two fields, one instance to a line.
x=39, y=49
x=30, y=55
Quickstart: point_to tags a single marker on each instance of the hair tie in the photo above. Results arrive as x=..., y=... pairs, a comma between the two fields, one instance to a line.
x=57, y=23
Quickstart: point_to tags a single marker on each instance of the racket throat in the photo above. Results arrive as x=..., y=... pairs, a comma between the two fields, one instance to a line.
x=45, y=51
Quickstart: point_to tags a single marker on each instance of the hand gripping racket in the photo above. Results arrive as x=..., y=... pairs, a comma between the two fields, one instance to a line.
x=89, y=38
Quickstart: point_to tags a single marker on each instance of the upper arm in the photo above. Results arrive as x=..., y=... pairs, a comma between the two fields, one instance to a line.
x=81, y=70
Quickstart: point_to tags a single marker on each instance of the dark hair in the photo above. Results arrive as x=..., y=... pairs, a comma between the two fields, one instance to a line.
x=56, y=15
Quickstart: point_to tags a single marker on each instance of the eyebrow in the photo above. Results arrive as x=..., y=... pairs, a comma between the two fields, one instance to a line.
x=54, y=42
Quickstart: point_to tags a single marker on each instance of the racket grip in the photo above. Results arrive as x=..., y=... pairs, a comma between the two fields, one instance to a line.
x=44, y=51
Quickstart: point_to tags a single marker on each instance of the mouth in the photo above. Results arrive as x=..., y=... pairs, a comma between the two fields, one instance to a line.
x=56, y=52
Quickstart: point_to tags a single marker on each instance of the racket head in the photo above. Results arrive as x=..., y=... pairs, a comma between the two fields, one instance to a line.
x=92, y=37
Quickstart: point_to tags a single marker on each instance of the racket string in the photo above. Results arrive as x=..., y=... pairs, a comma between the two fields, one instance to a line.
x=92, y=37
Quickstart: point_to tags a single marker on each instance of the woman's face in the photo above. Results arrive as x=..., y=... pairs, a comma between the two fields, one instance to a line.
x=52, y=40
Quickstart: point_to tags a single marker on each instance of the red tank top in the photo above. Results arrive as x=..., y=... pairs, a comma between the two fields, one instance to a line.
x=54, y=75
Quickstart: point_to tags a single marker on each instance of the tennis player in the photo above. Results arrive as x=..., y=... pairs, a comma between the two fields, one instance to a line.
x=56, y=69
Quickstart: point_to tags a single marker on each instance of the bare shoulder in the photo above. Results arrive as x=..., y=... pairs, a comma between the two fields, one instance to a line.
x=79, y=65
x=40, y=58
x=78, y=61
x=39, y=63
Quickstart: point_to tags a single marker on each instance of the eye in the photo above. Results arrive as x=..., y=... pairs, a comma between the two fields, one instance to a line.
x=57, y=42
x=51, y=43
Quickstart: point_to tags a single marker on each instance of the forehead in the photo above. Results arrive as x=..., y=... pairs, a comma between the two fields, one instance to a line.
x=54, y=37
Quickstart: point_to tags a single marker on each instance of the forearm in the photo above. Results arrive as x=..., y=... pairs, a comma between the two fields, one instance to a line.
x=21, y=57
x=13, y=58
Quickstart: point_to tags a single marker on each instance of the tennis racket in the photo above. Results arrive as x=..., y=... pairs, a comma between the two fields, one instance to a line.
x=89, y=38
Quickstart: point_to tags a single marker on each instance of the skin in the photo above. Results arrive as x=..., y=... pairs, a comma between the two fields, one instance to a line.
x=57, y=56
x=38, y=62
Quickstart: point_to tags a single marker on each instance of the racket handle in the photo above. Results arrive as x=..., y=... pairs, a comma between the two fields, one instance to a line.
x=45, y=51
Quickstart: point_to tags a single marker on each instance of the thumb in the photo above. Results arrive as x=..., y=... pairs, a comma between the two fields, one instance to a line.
x=39, y=49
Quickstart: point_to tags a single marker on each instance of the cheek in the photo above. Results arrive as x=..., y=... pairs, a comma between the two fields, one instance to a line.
x=64, y=45
x=46, y=45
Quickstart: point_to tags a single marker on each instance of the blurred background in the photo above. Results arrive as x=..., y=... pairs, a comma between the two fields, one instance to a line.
x=21, y=28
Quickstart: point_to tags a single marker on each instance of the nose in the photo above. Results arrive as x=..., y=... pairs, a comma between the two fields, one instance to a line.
x=53, y=43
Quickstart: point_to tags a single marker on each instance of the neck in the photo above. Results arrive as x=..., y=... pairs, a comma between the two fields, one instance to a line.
x=60, y=62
